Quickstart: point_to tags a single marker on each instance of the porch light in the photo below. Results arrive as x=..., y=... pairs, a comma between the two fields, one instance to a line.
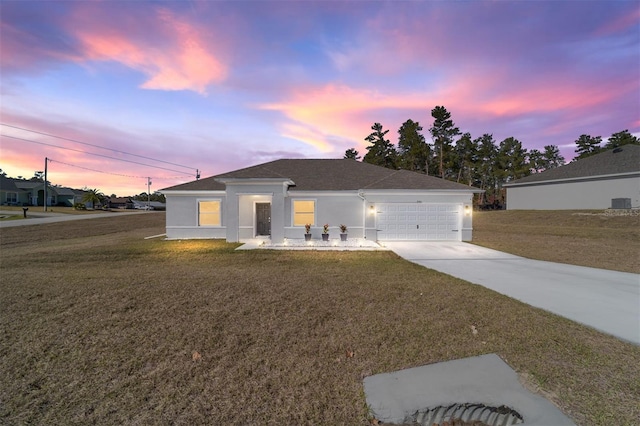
x=467, y=210
x=372, y=209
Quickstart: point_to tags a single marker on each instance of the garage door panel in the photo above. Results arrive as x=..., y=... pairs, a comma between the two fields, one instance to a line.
x=418, y=222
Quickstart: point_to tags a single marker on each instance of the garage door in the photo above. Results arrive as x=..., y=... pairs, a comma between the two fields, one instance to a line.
x=418, y=221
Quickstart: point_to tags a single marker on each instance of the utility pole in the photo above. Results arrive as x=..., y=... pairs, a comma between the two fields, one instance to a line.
x=148, y=194
x=44, y=196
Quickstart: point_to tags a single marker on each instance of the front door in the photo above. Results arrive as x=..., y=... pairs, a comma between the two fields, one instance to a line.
x=263, y=219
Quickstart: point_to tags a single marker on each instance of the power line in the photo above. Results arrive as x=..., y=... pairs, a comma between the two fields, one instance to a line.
x=95, y=146
x=97, y=155
x=111, y=173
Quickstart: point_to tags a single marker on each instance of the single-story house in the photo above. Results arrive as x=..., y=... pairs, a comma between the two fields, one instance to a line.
x=10, y=194
x=120, y=203
x=586, y=184
x=277, y=199
x=64, y=196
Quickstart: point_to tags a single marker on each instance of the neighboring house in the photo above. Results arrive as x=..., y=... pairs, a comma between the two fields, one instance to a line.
x=64, y=196
x=278, y=198
x=10, y=194
x=589, y=183
x=151, y=205
x=35, y=192
x=120, y=203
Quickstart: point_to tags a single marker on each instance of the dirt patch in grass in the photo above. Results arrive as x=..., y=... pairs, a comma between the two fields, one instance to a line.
x=577, y=238
x=100, y=326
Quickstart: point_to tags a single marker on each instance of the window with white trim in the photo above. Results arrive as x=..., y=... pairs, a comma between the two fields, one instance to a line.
x=304, y=211
x=12, y=197
x=209, y=213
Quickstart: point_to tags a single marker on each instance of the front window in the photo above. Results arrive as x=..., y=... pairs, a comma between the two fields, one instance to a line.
x=304, y=212
x=12, y=197
x=209, y=213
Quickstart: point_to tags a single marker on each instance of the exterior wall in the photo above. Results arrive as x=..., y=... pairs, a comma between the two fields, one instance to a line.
x=333, y=208
x=574, y=195
x=356, y=210
x=182, y=216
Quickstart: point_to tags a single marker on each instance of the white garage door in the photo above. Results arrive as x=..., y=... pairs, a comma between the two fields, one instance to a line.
x=418, y=221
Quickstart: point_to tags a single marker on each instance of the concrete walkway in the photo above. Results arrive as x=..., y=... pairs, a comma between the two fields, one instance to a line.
x=608, y=301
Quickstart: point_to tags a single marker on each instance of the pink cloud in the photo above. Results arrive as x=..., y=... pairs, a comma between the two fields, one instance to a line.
x=322, y=116
x=178, y=58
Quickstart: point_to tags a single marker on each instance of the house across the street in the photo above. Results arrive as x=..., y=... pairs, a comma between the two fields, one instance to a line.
x=605, y=180
x=277, y=199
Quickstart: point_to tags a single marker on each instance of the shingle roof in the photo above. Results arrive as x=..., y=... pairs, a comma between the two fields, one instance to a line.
x=8, y=184
x=329, y=175
x=622, y=160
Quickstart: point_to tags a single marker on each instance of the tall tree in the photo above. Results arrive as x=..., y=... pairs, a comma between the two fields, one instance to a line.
x=586, y=146
x=549, y=159
x=381, y=152
x=413, y=150
x=443, y=131
x=352, y=154
x=93, y=196
x=466, y=156
x=552, y=157
x=620, y=139
x=485, y=177
x=536, y=161
x=511, y=161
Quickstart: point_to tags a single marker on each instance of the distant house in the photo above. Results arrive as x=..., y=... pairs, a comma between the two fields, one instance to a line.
x=276, y=200
x=151, y=205
x=64, y=196
x=10, y=194
x=589, y=183
x=120, y=203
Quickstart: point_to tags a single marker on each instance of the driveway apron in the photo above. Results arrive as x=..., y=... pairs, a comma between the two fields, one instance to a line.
x=608, y=301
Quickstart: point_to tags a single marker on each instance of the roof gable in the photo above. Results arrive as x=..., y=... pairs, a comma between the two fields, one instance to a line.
x=328, y=175
x=8, y=185
x=621, y=160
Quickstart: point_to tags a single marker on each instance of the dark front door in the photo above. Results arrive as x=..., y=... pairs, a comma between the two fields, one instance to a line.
x=263, y=219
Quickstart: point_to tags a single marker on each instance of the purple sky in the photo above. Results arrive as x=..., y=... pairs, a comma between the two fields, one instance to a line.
x=215, y=86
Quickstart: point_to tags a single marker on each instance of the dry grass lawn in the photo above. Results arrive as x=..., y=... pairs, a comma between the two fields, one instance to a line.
x=100, y=326
x=578, y=238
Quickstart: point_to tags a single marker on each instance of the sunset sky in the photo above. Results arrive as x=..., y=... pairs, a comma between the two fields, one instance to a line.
x=220, y=85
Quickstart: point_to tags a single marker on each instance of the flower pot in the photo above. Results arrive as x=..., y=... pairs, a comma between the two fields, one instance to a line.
x=325, y=237
x=307, y=237
x=343, y=237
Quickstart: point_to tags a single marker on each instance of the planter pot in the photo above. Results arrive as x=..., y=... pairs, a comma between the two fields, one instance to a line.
x=325, y=237
x=307, y=237
x=343, y=237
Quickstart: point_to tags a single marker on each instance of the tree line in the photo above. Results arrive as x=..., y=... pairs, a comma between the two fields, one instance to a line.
x=480, y=162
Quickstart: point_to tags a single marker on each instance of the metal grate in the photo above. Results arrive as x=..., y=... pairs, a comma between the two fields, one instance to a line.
x=466, y=414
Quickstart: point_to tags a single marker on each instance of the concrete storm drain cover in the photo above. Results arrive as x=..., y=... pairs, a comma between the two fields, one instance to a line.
x=465, y=414
x=477, y=391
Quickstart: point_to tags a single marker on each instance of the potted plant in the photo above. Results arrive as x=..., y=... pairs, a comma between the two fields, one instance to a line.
x=343, y=232
x=307, y=235
x=325, y=232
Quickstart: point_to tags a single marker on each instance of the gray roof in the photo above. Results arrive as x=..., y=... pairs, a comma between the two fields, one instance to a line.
x=622, y=160
x=8, y=184
x=329, y=175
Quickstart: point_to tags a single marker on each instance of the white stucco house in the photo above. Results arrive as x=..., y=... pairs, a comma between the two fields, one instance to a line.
x=276, y=199
x=589, y=183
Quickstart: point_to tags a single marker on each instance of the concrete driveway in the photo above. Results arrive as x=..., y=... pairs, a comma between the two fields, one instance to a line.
x=608, y=301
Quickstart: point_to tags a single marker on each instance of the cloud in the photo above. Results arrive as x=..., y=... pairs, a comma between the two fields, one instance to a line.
x=180, y=59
